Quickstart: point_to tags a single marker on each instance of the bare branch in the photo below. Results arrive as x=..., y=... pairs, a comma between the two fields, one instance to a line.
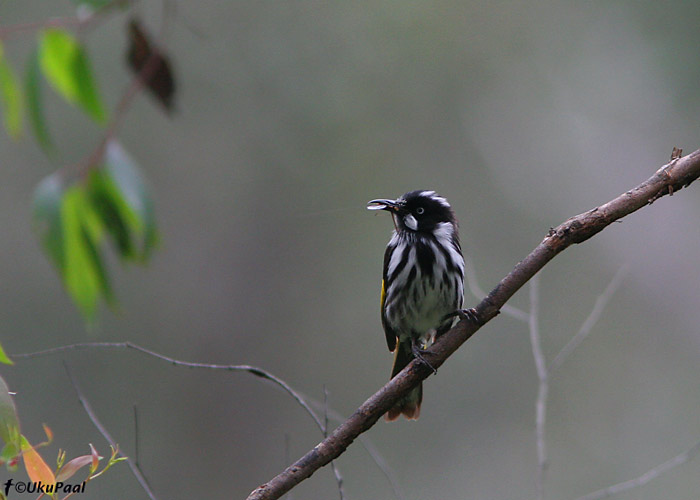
x=258, y=372
x=533, y=322
x=80, y=22
x=135, y=470
x=544, y=373
x=593, y=317
x=543, y=386
x=136, y=435
x=670, y=178
x=336, y=472
x=679, y=459
x=473, y=284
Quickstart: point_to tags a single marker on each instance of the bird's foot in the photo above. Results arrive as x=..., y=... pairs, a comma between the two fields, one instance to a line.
x=469, y=315
x=418, y=354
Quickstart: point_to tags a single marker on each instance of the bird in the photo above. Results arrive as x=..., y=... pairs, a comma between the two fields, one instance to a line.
x=422, y=282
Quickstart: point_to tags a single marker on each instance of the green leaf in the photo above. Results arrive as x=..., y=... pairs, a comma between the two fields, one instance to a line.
x=11, y=97
x=120, y=221
x=92, y=246
x=4, y=358
x=35, y=107
x=83, y=272
x=9, y=421
x=10, y=455
x=47, y=217
x=65, y=65
x=136, y=196
x=71, y=229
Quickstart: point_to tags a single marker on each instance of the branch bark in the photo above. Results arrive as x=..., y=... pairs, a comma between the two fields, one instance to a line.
x=672, y=177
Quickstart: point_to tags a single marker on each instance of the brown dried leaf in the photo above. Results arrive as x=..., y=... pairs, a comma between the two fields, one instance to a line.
x=154, y=68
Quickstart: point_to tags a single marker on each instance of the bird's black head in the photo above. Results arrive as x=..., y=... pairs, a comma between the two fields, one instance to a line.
x=418, y=211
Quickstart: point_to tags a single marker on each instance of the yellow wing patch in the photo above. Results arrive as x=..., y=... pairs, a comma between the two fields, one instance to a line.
x=383, y=295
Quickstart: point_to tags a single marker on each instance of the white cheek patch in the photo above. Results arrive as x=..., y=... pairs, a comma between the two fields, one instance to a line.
x=411, y=222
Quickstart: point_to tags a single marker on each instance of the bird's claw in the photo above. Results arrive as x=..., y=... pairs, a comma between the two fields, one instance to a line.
x=418, y=354
x=469, y=315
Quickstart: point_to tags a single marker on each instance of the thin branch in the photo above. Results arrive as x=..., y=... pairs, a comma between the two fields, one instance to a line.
x=593, y=317
x=384, y=467
x=136, y=434
x=371, y=450
x=135, y=470
x=543, y=386
x=286, y=458
x=137, y=83
x=544, y=374
x=136, y=440
x=533, y=323
x=670, y=178
x=79, y=22
x=336, y=472
x=258, y=372
x=679, y=459
x=479, y=293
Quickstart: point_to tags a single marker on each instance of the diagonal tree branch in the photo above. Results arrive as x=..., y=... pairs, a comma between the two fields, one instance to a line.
x=677, y=174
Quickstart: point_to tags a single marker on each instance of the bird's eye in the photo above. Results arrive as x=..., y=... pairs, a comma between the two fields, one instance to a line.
x=420, y=210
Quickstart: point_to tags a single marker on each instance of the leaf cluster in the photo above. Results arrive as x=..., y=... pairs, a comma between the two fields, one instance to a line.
x=79, y=208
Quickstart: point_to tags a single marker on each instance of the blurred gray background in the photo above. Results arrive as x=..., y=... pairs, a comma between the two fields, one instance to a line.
x=291, y=115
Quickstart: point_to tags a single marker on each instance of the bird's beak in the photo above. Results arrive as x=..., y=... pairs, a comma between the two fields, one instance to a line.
x=390, y=205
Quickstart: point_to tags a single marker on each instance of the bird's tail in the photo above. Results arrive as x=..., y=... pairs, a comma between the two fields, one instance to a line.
x=409, y=405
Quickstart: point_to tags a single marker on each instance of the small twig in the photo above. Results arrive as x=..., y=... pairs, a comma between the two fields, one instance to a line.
x=544, y=373
x=593, y=317
x=543, y=386
x=371, y=450
x=137, y=83
x=679, y=459
x=135, y=470
x=136, y=436
x=383, y=466
x=336, y=472
x=479, y=293
x=79, y=22
x=287, y=444
x=258, y=372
